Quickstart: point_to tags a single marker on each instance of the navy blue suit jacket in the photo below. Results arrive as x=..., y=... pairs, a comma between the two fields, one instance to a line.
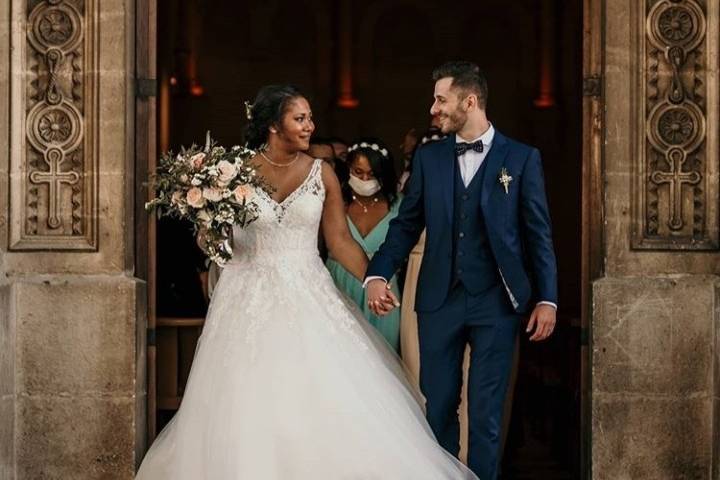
x=517, y=222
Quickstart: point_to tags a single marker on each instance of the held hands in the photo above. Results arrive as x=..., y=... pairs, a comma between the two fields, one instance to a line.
x=381, y=300
x=543, y=320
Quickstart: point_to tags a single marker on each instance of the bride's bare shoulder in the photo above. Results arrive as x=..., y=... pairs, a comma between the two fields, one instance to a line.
x=329, y=177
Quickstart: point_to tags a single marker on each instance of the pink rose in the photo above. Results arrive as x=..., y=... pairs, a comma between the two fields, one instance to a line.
x=212, y=194
x=242, y=192
x=197, y=160
x=227, y=171
x=195, y=198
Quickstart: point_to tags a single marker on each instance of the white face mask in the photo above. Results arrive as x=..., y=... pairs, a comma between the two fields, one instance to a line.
x=364, y=188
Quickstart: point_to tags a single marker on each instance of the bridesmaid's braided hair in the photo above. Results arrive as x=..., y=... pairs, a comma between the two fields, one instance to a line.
x=270, y=104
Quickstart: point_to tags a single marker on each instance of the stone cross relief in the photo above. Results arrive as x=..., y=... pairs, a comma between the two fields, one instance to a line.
x=54, y=178
x=676, y=178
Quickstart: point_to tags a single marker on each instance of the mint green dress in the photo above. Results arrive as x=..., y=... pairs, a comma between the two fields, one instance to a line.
x=389, y=325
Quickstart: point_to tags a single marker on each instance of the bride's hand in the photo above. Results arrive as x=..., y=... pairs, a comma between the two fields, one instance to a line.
x=201, y=239
x=381, y=299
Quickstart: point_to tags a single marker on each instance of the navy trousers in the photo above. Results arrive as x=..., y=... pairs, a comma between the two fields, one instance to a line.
x=489, y=324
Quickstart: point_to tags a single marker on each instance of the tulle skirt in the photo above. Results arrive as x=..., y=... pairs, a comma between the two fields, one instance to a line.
x=289, y=381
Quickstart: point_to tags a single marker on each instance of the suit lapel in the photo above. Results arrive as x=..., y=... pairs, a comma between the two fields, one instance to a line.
x=494, y=161
x=447, y=175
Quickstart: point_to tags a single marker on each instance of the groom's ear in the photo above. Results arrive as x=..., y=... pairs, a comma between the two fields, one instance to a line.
x=471, y=101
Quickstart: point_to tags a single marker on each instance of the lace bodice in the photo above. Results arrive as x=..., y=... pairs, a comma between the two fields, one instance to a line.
x=288, y=228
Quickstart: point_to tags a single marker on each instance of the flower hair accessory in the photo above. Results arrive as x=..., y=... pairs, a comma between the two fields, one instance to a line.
x=371, y=146
x=248, y=110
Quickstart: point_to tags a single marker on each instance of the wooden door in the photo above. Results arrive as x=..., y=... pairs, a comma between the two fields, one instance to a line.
x=145, y=161
x=592, y=206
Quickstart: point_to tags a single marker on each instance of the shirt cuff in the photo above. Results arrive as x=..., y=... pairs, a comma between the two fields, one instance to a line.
x=368, y=279
x=544, y=302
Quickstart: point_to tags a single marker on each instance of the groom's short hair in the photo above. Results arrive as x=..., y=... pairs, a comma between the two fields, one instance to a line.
x=467, y=77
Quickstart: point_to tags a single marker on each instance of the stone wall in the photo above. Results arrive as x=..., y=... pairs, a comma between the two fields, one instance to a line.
x=655, y=312
x=71, y=312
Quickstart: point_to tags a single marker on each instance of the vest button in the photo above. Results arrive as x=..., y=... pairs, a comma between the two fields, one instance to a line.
x=461, y=253
x=462, y=235
x=465, y=196
x=463, y=216
x=459, y=271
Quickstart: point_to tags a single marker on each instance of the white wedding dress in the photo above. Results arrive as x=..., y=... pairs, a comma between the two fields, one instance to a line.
x=289, y=381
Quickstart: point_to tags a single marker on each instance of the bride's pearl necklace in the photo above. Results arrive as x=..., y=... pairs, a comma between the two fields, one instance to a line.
x=281, y=165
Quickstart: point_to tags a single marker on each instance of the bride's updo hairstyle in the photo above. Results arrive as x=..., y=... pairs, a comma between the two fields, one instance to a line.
x=270, y=104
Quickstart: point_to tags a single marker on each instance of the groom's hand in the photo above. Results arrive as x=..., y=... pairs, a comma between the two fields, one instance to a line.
x=381, y=300
x=543, y=320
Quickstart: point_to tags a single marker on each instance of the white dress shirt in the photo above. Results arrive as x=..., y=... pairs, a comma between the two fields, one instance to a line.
x=470, y=161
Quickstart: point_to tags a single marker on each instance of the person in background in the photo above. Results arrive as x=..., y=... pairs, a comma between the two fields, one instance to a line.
x=371, y=202
x=340, y=148
x=410, y=143
x=409, y=345
x=407, y=146
x=323, y=149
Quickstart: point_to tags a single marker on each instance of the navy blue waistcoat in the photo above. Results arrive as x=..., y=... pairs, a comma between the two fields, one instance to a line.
x=473, y=261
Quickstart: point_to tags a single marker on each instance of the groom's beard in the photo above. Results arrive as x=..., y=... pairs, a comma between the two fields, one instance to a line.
x=454, y=122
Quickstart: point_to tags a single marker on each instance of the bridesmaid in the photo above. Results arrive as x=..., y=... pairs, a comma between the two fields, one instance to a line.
x=371, y=202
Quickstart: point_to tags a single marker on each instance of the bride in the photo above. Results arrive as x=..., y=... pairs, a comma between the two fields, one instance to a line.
x=289, y=381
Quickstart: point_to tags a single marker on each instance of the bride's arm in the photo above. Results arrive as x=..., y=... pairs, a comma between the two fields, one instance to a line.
x=340, y=243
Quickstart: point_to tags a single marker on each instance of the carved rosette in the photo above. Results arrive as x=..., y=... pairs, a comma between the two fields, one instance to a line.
x=672, y=198
x=59, y=161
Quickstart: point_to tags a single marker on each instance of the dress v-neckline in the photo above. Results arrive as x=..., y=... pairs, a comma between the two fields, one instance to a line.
x=294, y=192
x=372, y=230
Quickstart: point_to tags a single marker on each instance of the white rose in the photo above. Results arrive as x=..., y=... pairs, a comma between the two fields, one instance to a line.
x=176, y=198
x=227, y=171
x=204, y=217
x=212, y=194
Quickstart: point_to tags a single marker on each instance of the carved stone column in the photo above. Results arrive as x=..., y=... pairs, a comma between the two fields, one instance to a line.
x=656, y=311
x=56, y=169
x=71, y=313
x=676, y=201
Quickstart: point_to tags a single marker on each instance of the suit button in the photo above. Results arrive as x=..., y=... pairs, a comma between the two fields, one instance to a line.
x=465, y=196
x=463, y=216
x=459, y=271
x=462, y=235
x=461, y=253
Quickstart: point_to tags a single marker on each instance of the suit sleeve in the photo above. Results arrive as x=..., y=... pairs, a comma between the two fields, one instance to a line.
x=405, y=229
x=538, y=230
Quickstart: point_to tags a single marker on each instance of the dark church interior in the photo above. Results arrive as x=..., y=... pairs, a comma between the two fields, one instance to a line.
x=366, y=69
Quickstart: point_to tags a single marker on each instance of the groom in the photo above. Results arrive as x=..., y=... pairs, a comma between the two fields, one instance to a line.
x=488, y=261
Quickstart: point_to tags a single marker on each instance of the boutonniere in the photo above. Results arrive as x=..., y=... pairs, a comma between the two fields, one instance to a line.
x=505, y=179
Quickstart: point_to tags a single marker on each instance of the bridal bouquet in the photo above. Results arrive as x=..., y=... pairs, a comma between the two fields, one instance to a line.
x=212, y=187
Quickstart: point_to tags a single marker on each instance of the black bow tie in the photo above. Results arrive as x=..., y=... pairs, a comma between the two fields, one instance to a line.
x=462, y=147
